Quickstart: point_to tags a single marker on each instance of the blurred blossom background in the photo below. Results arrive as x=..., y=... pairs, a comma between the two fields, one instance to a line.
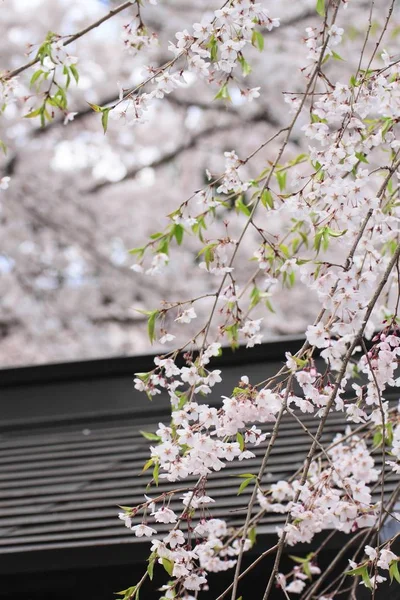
x=78, y=200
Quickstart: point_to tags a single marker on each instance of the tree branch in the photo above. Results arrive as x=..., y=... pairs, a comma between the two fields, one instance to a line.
x=71, y=38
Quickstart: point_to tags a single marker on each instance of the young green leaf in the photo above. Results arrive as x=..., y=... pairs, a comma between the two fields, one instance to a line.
x=394, y=571
x=34, y=113
x=150, y=436
x=267, y=199
x=35, y=77
x=151, y=325
x=320, y=8
x=74, y=72
x=95, y=107
x=257, y=39
x=241, y=206
x=149, y=463
x=281, y=179
x=104, y=118
x=156, y=471
x=150, y=568
x=246, y=68
x=168, y=565
x=178, y=232
x=240, y=440
x=223, y=93
x=252, y=535
x=128, y=593
x=244, y=485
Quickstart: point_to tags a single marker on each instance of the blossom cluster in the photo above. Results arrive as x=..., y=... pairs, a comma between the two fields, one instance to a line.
x=334, y=497
x=135, y=36
x=383, y=559
x=340, y=202
x=212, y=52
x=206, y=547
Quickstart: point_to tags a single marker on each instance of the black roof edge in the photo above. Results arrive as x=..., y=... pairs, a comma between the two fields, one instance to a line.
x=86, y=419
x=273, y=350
x=103, y=555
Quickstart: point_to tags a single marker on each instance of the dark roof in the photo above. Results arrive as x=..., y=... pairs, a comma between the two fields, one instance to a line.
x=71, y=451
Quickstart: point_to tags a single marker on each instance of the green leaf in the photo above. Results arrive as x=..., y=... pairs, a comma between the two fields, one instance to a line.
x=389, y=434
x=320, y=8
x=149, y=463
x=3, y=147
x=269, y=306
x=299, y=159
x=246, y=68
x=285, y=250
x=182, y=399
x=361, y=157
x=394, y=571
x=377, y=439
x=366, y=579
x=208, y=252
x=34, y=113
x=61, y=98
x=223, y=93
x=336, y=56
x=168, y=565
x=244, y=485
x=267, y=199
x=240, y=206
x=240, y=440
x=74, y=72
x=255, y=297
x=156, y=236
x=163, y=247
x=104, y=118
x=151, y=325
x=318, y=239
x=281, y=178
x=139, y=251
x=213, y=47
x=35, y=77
x=178, y=232
x=252, y=535
x=128, y=593
x=298, y=559
x=95, y=107
x=151, y=436
x=68, y=77
x=362, y=571
x=156, y=471
x=335, y=234
x=150, y=568
x=257, y=39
